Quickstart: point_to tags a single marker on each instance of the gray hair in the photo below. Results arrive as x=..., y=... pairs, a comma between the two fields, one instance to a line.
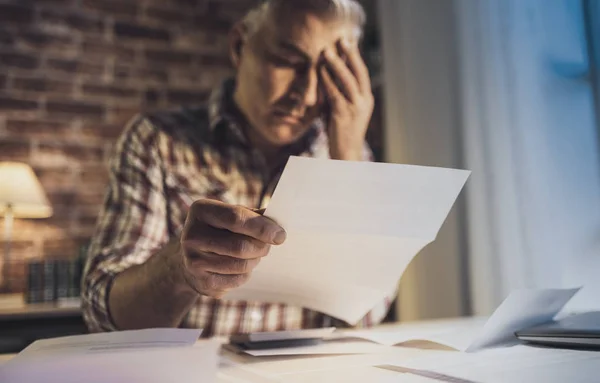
x=350, y=10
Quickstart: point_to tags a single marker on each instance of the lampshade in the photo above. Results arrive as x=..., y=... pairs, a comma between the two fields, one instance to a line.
x=21, y=190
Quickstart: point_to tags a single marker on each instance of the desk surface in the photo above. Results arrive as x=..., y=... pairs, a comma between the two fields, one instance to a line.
x=508, y=364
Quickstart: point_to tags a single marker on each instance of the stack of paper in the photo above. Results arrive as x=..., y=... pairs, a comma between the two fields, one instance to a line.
x=159, y=355
x=353, y=227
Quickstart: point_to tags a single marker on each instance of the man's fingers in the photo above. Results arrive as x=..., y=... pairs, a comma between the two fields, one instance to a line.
x=239, y=220
x=357, y=65
x=221, y=264
x=343, y=74
x=224, y=242
x=222, y=282
x=259, y=211
x=333, y=93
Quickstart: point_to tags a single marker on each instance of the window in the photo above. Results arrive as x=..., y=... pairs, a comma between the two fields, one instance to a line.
x=592, y=20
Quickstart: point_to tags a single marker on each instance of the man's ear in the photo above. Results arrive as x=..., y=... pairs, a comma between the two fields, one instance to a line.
x=236, y=43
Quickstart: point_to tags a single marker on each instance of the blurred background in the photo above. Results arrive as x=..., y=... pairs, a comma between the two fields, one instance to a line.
x=509, y=89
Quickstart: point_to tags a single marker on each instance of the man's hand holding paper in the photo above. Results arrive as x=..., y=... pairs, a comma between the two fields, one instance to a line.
x=353, y=228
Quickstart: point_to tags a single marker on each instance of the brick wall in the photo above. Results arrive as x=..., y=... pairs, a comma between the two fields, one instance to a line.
x=72, y=72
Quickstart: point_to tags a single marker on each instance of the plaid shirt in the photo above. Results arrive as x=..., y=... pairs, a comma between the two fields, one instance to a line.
x=163, y=163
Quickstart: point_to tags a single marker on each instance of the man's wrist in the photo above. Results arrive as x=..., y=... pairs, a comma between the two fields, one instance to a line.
x=174, y=273
x=346, y=155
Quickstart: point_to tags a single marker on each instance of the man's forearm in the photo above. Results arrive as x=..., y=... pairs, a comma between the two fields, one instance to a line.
x=153, y=294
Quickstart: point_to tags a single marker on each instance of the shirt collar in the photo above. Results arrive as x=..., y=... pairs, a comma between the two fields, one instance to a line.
x=225, y=123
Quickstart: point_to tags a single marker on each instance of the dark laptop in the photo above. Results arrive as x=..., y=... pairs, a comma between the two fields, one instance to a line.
x=580, y=330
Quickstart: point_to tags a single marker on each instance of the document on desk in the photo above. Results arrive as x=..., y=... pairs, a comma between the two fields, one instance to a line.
x=352, y=229
x=521, y=309
x=155, y=355
x=514, y=364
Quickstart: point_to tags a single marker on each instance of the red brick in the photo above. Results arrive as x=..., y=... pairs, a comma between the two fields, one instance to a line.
x=74, y=20
x=96, y=198
x=187, y=97
x=112, y=7
x=56, y=179
x=61, y=218
x=137, y=31
x=152, y=97
x=6, y=38
x=109, y=91
x=94, y=174
x=236, y=7
x=187, y=5
x=96, y=48
x=140, y=74
x=18, y=60
x=14, y=13
x=61, y=198
x=170, y=57
x=64, y=248
x=93, y=130
x=75, y=66
x=37, y=128
x=14, y=150
x=60, y=154
x=214, y=60
x=192, y=79
x=63, y=3
x=213, y=23
x=75, y=109
x=41, y=84
x=2, y=81
x=37, y=39
x=86, y=225
x=121, y=115
x=14, y=104
x=163, y=15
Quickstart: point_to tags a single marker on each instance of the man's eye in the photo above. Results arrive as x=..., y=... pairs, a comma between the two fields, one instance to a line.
x=283, y=61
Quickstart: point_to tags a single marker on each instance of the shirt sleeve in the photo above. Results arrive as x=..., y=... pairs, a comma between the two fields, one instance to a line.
x=133, y=221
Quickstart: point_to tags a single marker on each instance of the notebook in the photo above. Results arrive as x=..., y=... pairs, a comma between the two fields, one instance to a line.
x=580, y=330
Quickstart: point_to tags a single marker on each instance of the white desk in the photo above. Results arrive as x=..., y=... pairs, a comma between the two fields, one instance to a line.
x=406, y=364
x=432, y=364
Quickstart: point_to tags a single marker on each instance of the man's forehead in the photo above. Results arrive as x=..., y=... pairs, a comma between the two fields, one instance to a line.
x=307, y=31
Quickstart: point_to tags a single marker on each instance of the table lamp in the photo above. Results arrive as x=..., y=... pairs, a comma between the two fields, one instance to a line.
x=21, y=196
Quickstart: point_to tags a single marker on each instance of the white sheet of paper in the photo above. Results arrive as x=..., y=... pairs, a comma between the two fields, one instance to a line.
x=147, y=355
x=113, y=341
x=353, y=228
x=231, y=372
x=522, y=309
x=514, y=364
x=278, y=366
x=454, y=333
x=354, y=374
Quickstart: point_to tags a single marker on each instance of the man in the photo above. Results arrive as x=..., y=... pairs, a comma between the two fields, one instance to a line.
x=181, y=223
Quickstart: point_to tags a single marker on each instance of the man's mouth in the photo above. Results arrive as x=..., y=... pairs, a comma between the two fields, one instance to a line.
x=288, y=117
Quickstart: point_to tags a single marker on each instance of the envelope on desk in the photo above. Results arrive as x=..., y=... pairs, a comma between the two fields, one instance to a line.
x=155, y=355
x=352, y=229
x=521, y=309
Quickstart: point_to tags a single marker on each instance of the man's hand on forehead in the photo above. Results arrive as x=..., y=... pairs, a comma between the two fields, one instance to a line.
x=347, y=85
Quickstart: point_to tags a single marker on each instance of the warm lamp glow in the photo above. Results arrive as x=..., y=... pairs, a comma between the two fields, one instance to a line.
x=21, y=192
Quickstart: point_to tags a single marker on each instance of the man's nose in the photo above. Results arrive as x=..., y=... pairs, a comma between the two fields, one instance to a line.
x=307, y=87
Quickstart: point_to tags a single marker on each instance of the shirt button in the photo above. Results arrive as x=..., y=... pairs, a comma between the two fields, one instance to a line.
x=255, y=315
